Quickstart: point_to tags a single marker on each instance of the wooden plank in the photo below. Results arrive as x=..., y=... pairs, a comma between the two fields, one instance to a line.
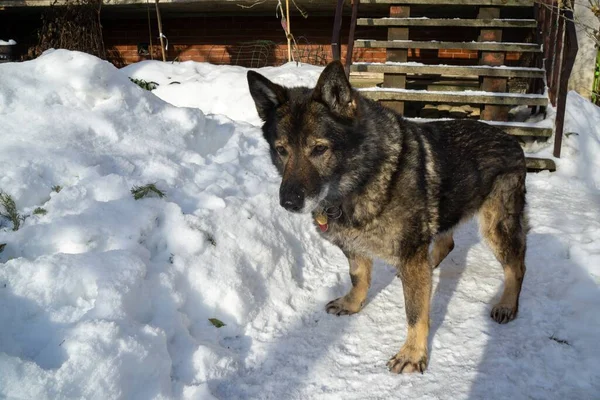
x=489, y=83
x=504, y=3
x=482, y=46
x=512, y=128
x=393, y=80
x=219, y=3
x=540, y=164
x=455, y=97
x=29, y=3
x=522, y=128
x=452, y=70
x=526, y=131
x=475, y=23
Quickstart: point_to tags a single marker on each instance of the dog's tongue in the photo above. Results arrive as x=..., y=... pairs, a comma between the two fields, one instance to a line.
x=322, y=222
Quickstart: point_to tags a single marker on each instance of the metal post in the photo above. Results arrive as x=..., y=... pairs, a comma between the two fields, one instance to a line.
x=289, y=30
x=351, y=36
x=160, y=32
x=337, y=27
x=568, y=60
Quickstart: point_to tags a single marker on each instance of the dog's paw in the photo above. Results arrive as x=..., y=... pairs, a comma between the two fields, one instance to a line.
x=409, y=359
x=343, y=306
x=503, y=313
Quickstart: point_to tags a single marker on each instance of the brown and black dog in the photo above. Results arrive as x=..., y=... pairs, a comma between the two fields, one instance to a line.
x=380, y=186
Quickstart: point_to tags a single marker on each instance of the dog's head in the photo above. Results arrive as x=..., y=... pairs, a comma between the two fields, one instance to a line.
x=310, y=132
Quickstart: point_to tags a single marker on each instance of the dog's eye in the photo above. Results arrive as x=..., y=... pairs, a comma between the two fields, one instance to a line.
x=281, y=150
x=319, y=149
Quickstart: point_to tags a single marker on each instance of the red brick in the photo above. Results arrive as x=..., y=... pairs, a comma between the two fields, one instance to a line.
x=488, y=58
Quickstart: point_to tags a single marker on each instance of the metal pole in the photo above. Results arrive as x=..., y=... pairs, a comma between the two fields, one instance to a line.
x=351, y=36
x=289, y=35
x=150, y=31
x=337, y=27
x=568, y=60
x=160, y=32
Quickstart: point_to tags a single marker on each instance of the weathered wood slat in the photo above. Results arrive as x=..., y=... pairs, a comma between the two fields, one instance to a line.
x=482, y=46
x=540, y=164
x=522, y=130
x=496, y=3
x=459, y=22
x=455, y=97
x=396, y=55
x=512, y=128
x=453, y=70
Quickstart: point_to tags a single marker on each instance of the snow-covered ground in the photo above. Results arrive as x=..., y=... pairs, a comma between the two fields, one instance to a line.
x=107, y=297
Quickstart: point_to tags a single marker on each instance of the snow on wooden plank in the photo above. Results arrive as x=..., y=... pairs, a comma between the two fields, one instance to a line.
x=483, y=46
x=465, y=97
x=504, y=3
x=538, y=129
x=455, y=70
x=481, y=23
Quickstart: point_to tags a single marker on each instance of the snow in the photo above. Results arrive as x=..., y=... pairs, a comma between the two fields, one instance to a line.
x=221, y=90
x=9, y=43
x=106, y=297
x=582, y=156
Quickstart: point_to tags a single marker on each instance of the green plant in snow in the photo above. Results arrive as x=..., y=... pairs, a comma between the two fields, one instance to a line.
x=40, y=211
x=144, y=84
x=139, y=192
x=10, y=210
x=211, y=239
x=216, y=323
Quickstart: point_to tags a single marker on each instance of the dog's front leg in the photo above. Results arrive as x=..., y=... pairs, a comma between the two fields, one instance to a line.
x=415, y=273
x=360, y=276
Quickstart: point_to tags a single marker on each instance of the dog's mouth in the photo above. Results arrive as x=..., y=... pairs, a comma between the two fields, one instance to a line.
x=310, y=204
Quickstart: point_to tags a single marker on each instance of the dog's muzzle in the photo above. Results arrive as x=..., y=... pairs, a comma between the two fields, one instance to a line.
x=292, y=198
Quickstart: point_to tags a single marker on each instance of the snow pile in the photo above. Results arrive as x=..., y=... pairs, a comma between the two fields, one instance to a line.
x=581, y=146
x=216, y=89
x=105, y=296
x=109, y=296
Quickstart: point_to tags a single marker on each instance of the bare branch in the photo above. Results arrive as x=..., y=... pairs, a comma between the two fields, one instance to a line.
x=558, y=8
x=256, y=2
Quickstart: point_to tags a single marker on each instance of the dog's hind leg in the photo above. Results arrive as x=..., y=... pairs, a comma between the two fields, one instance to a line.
x=360, y=275
x=415, y=273
x=503, y=224
x=442, y=246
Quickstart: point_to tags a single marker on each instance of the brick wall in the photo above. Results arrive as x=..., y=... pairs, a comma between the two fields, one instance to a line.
x=227, y=40
x=233, y=40
x=223, y=39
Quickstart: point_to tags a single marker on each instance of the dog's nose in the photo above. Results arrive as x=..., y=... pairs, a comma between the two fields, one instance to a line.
x=292, y=200
x=292, y=204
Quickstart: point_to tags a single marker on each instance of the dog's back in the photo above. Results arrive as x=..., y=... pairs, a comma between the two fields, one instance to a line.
x=470, y=156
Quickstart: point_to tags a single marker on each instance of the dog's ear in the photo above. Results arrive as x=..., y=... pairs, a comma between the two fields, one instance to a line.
x=334, y=90
x=266, y=94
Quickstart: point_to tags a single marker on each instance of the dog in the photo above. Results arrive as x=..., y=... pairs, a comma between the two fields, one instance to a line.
x=380, y=186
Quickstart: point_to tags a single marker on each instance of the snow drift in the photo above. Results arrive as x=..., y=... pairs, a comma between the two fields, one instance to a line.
x=104, y=296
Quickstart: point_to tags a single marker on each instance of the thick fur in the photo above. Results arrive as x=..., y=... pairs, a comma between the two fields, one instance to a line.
x=392, y=187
